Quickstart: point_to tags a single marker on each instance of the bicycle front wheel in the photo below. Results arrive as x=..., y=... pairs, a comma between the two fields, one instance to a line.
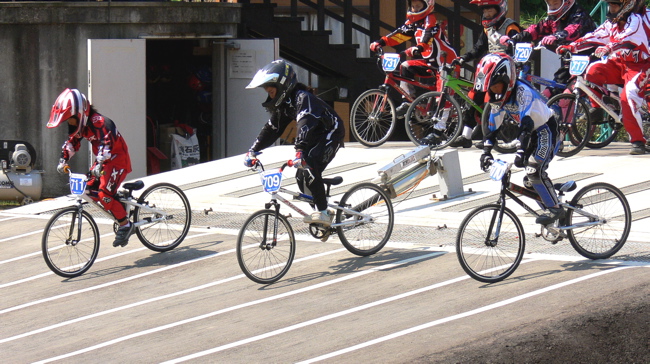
x=434, y=119
x=372, y=118
x=574, y=124
x=70, y=242
x=603, y=220
x=490, y=245
x=264, y=253
x=169, y=223
x=365, y=233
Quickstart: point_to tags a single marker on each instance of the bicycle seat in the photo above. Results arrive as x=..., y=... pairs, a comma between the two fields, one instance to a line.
x=566, y=186
x=133, y=186
x=333, y=181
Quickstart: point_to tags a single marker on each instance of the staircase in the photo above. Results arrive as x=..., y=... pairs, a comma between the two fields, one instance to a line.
x=337, y=65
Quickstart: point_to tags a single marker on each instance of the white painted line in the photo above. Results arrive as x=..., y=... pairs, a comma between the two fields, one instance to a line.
x=154, y=299
x=456, y=317
x=377, y=303
x=37, y=253
x=247, y=304
x=21, y=236
x=96, y=261
x=9, y=218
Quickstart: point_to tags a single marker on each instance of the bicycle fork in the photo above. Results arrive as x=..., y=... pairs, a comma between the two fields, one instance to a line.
x=264, y=245
x=76, y=216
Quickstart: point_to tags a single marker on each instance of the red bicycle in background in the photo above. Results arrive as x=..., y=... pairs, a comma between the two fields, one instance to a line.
x=373, y=117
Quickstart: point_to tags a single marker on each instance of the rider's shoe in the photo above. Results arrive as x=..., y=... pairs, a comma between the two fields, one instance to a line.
x=434, y=138
x=553, y=214
x=401, y=110
x=461, y=142
x=638, y=148
x=480, y=145
x=122, y=235
x=328, y=232
x=317, y=217
x=597, y=115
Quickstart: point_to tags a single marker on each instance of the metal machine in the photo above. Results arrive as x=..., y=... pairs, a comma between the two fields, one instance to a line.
x=409, y=169
x=18, y=180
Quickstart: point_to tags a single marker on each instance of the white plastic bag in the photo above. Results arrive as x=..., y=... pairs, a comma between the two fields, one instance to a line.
x=185, y=151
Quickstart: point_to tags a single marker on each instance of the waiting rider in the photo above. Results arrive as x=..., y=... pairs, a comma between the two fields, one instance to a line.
x=623, y=39
x=496, y=25
x=320, y=131
x=431, y=49
x=496, y=75
x=112, y=162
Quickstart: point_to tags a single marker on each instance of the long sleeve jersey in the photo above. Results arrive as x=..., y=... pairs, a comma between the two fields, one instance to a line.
x=315, y=121
x=628, y=42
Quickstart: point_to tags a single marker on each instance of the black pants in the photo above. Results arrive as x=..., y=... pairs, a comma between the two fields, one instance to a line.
x=310, y=179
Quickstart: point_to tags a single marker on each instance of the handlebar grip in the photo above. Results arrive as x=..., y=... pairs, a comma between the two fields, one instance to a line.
x=290, y=163
x=66, y=169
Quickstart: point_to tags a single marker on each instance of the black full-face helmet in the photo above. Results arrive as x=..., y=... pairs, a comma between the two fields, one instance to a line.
x=278, y=74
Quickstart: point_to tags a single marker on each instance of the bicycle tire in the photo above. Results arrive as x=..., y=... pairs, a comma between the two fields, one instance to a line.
x=607, y=202
x=373, y=118
x=65, y=256
x=263, y=262
x=419, y=122
x=605, y=130
x=167, y=234
x=364, y=238
x=508, y=132
x=485, y=261
x=574, y=125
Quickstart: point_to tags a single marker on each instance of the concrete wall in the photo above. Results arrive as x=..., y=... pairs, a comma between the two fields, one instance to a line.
x=43, y=50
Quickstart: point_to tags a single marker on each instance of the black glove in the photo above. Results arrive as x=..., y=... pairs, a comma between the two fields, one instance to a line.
x=457, y=61
x=486, y=161
x=520, y=159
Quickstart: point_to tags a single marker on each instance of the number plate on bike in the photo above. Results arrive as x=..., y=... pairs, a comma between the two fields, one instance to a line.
x=390, y=62
x=272, y=180
x=523, y=52
x=77, y=183
x=498, y=169
x=578, y=65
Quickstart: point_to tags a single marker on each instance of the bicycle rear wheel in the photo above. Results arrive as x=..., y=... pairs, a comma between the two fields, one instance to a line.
x=172, y=225
x=370, y=231
x=70, y=245
x=605, y=129
x=372, y=118
x=574, y=123
x=507, y=134
x=489, y=245
x=608, y=203
x=264, y=257
x=432, y=121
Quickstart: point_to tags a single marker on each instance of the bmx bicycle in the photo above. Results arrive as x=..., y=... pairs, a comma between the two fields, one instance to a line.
x=491, y=240
x=266, y=244
x=70, y=243
x=373, y=116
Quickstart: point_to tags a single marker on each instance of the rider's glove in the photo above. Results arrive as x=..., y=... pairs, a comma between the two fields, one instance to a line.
x=375, y=46
x=520, y=160
x=548, y=40
x=63, y=165
x=504, y=40
x=67, y=150
x=97, y=170
x=413, y=51
x=457, y=61
x=565, y=48
x=486, y=161
x=602, y=51
x=103, y=154
x=250, y=158
x=298, y=161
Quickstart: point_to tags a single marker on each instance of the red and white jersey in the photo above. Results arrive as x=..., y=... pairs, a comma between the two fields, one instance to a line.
x=629, y=43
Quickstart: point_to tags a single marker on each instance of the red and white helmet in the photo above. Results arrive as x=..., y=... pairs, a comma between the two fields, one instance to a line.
x=561, y=10
x=500, y=5
x=492, y=69
x=70, y=103
x=415, y=17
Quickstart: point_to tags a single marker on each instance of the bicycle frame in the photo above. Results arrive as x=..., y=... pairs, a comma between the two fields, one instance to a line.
x=275, y=197
x=585, y=86
x=508, y=189
x=392, y=79
x=130, y=205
